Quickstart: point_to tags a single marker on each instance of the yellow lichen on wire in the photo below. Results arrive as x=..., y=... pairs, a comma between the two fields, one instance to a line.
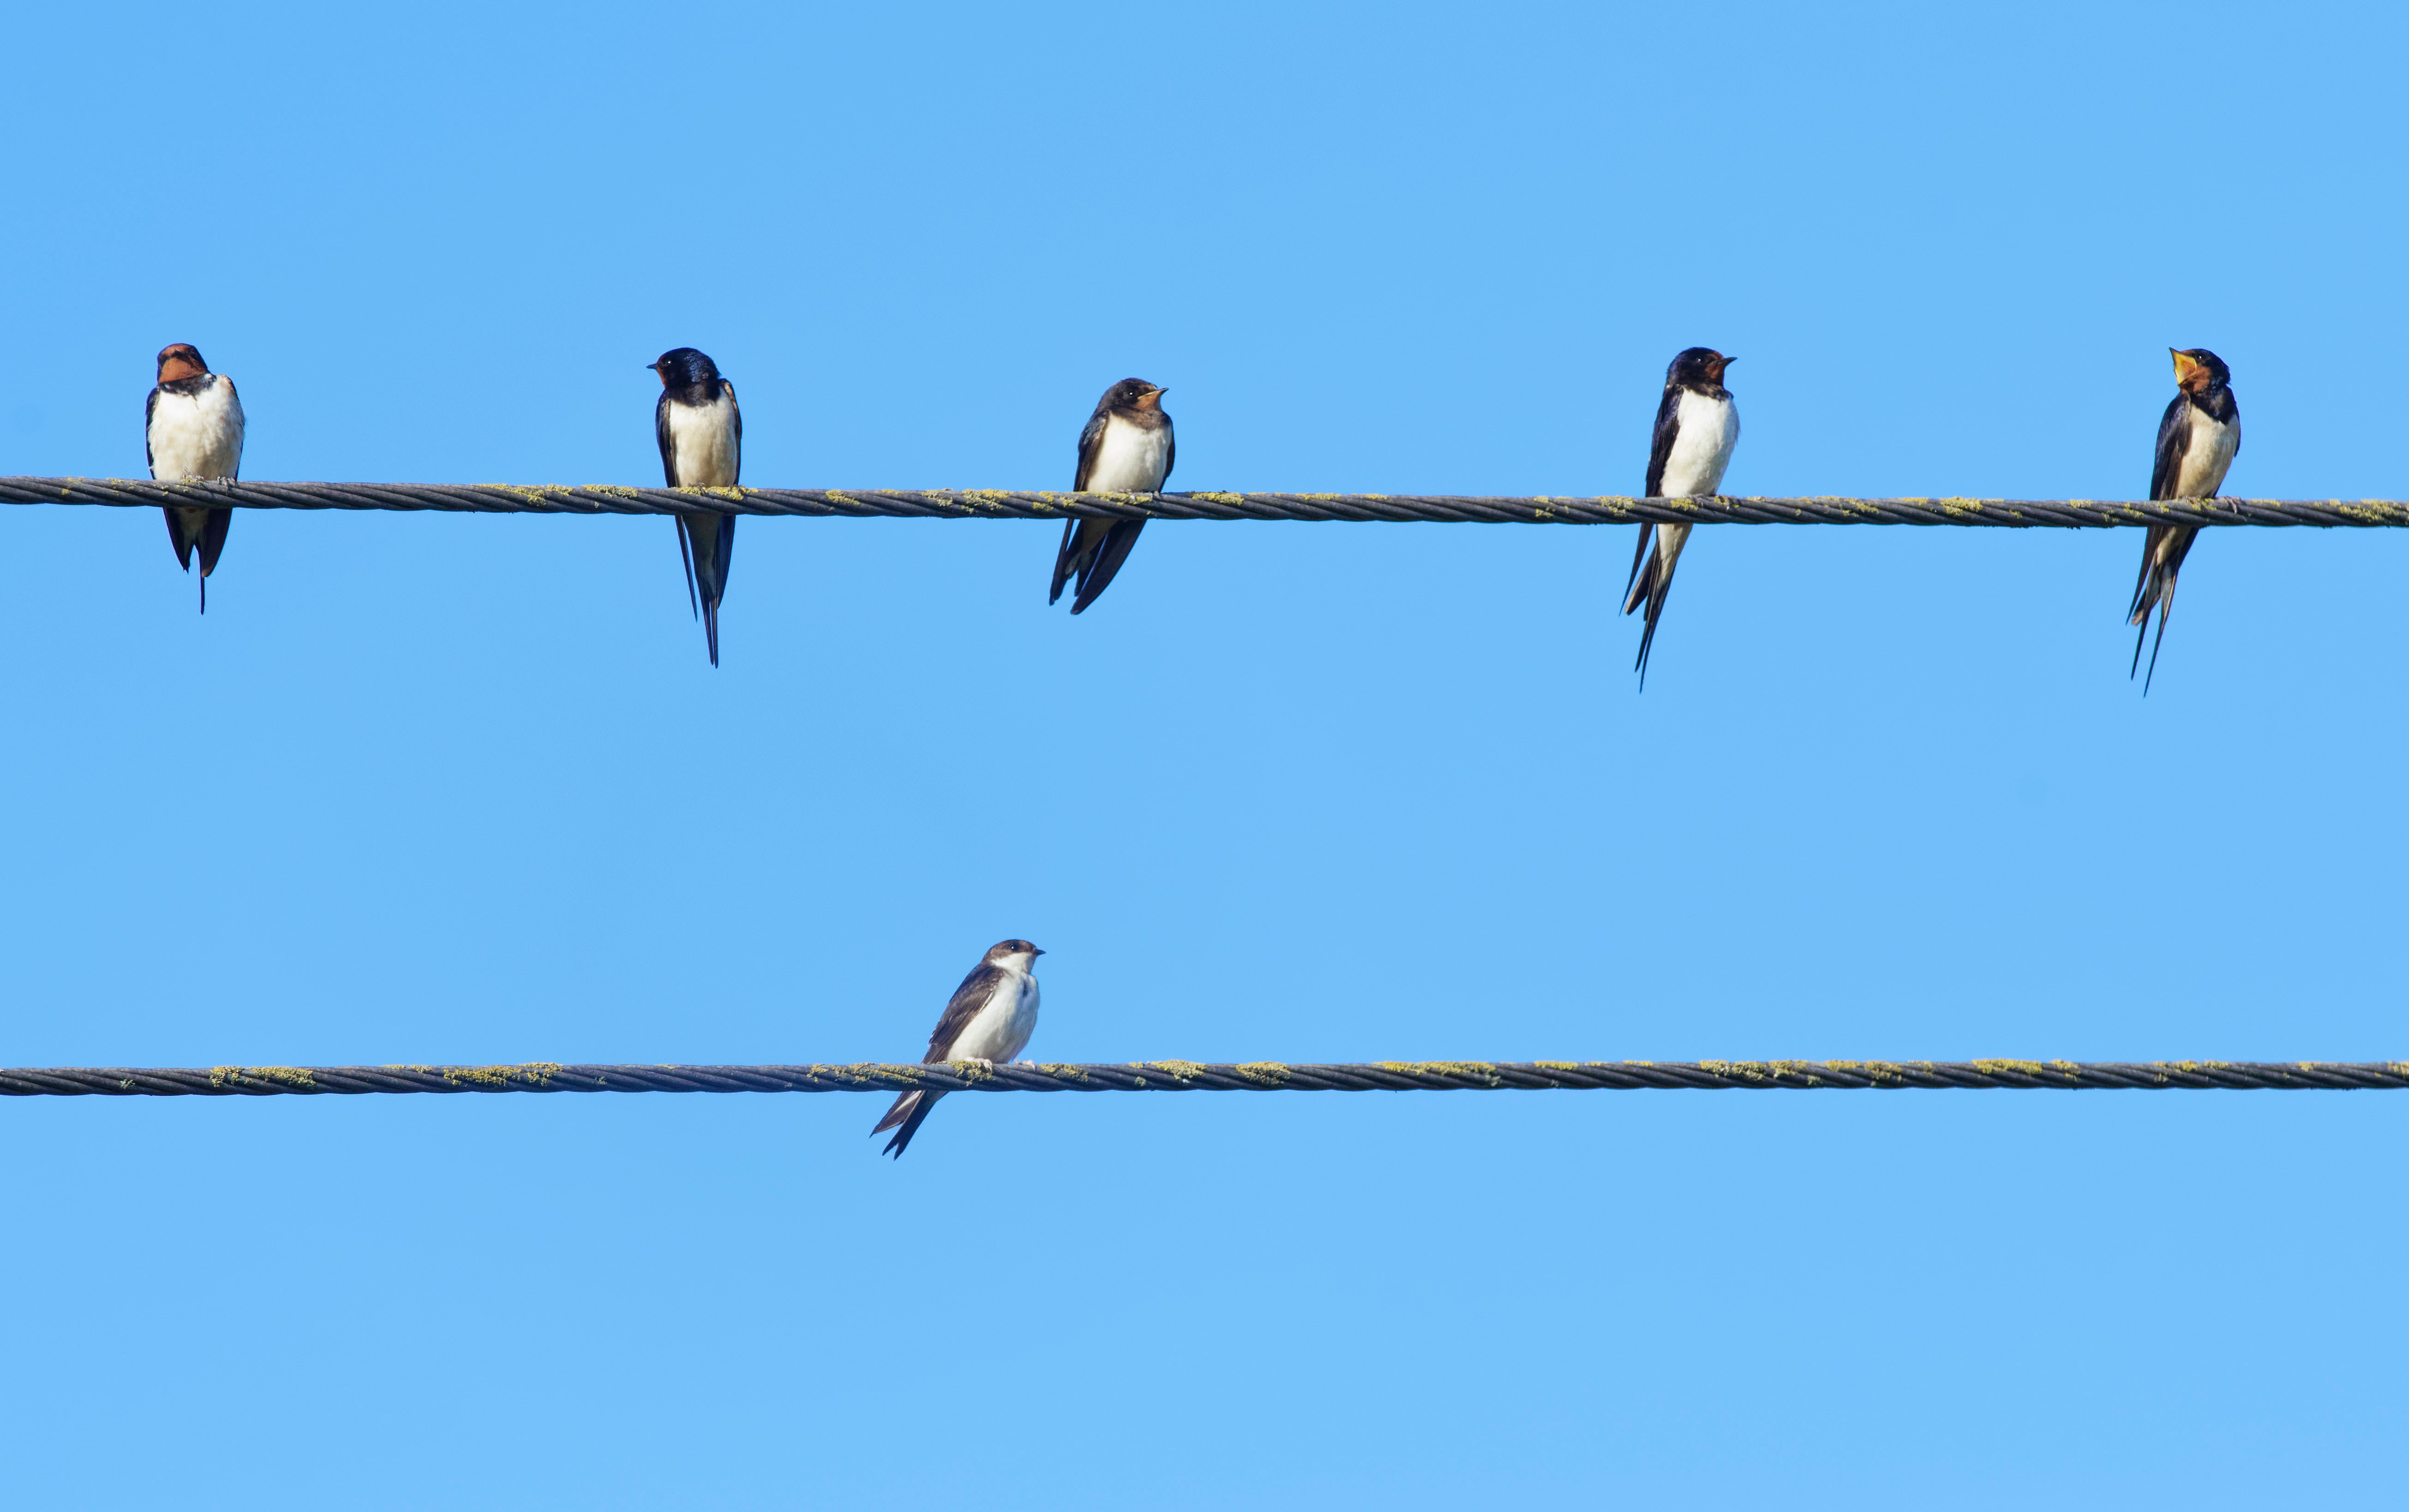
x=284, y=1075
x=533, y=1073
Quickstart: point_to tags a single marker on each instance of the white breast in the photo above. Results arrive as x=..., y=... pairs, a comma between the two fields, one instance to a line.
x=197, y=436
x=702, y=439
x=1002, y=1028
x=2201, y=472
x=1705, y=432
x=1130, y=460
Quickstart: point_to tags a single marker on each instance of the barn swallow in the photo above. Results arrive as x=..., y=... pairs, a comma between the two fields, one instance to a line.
x=1126, y=449
x=192, y=431
x=990, y=1019
x=2198, y=437
x=1697, y=428
x=701, y=434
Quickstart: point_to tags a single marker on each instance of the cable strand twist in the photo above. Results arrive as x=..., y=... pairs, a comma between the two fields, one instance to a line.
x=1006, y=504
x=1192, y=1076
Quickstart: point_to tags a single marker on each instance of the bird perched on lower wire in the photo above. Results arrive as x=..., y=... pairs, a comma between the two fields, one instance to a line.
x=1127, y=448
x=701, y=434
x=990, y=1019
x=192, y=431
x=1697, y=428
x=2198, y=438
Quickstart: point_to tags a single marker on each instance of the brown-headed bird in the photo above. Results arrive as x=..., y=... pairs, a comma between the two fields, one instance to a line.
x=2198, y=438
x=990, y=1019
x=192, y=431
x=1697, y=428
x=1127, y=448
x=701, y=436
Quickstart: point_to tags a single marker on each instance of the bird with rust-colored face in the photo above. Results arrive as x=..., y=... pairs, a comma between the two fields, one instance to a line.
x=192, y=432
x=2198, y=438
x=1697, y=428
x=701, y=436
x=1127, y=448
x=989, y=1018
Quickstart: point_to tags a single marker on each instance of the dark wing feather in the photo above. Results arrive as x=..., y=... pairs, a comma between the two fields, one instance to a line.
x=1633, y=589
x=2166, y=468
x=967, y=1001
x=1108, y=559
x=1091, y=442
x=149, y=405
x=2175, y=439
x=1658, y=583
x=1079, y=536
x=2166, y=607
x=1169, y=451
x=911, y=1110
x=1660, y=447
x=1075, y=546
x=736, y=415
x=2141, y=584
x=896, y=1112
x=178, y=536
x=722, y=555
x=662, y=437
x=686, y=559
x=214, y=527
x=714, y=539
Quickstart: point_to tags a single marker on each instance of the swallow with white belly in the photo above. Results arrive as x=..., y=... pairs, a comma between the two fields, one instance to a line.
x=990, y=1019
x=2198, y=438
x=1127, y=448
x=701, y=436
x=192, y=432
x=1697, y=428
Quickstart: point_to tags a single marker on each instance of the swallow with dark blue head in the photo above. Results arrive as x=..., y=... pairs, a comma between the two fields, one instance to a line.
x=701, y=436
x=192, y=432
x=1127, y=448
x=1697, y=428
x=2198, y=438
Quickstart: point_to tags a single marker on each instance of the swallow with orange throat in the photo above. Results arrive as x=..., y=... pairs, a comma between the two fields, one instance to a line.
x=192, y=432
x=2198, y=438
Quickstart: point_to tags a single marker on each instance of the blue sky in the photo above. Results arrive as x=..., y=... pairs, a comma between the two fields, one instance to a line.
x=430, y=788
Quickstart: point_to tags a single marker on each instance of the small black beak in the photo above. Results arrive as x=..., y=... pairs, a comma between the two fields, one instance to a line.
x=1034, y=952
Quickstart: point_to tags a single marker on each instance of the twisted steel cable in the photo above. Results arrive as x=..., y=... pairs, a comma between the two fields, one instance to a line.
x=1190, y=1076
x=1005, y=504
